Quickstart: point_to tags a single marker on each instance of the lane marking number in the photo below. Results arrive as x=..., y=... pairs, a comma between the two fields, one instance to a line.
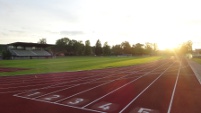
x=51, y=97
x=33, y=94
x=143, y=110
x=76, y=101
x=105, y=106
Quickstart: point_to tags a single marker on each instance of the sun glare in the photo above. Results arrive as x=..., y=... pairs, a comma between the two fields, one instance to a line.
x=167, y=45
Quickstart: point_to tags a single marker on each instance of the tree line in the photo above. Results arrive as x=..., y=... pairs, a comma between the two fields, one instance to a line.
x=73, y=47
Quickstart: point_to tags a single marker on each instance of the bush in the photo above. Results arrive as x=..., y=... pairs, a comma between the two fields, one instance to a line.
x=6, y=55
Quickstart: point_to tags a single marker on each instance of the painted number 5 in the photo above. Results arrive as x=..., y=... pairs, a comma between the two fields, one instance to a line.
x=76, y=101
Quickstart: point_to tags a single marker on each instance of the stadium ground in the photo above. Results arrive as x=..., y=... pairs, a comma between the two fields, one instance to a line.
x=164, y=86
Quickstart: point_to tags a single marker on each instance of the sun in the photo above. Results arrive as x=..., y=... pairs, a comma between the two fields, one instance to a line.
x=164, y=45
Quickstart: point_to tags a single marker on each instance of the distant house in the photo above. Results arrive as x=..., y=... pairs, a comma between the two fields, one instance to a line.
x=23, y=50
x=197, y=53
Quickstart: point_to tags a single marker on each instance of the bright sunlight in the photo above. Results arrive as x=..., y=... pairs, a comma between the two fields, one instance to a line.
x=168, y=44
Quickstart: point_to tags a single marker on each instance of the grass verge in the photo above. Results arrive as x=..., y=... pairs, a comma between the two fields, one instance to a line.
x=198, y=60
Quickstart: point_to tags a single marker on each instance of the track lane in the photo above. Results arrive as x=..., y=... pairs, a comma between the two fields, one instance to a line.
x=188, y=92
x=157, y=97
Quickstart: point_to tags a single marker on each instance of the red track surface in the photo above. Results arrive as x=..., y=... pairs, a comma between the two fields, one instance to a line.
x=10, y=69
x=166, y=86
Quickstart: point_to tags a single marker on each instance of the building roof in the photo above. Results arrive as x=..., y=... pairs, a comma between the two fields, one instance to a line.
x=29, y=44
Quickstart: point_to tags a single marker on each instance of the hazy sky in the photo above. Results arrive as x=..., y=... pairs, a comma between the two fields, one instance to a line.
x=166, y=22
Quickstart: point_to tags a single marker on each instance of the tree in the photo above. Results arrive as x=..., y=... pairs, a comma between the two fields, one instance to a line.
x=126, y=47
x=148, y=48
x=79, y=48
x=117, y=50
x=42, y=41
x=6, y=55
x=138, y=49
x=106, y=49
x=186, y=47
x=87, y=49
x=62, y=45
x=98, y=48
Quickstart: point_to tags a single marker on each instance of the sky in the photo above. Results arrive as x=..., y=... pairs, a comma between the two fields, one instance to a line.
x=165, y=22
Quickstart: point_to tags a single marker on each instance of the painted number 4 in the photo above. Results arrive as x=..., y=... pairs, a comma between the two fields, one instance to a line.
x=105, y=106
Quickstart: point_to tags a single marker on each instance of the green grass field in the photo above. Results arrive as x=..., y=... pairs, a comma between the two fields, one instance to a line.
x=197, y=60
x=37, y=66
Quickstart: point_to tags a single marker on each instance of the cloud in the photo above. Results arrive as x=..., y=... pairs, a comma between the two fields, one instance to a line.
x=16, y=31
x=71, y=33
x=3, y=34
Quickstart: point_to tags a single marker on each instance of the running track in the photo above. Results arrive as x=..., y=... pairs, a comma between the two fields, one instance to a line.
x=165, y=86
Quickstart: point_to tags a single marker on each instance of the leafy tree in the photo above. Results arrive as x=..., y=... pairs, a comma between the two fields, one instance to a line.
x=186, y=47
x=79, y=48
x=62, y=45
x=98, y=48
x=117, y=50
x=6, y=55
x=42, y=41
x=87, y=49
x=148, y=48
x=126, y=47
x=138, y=49
x=106, y=49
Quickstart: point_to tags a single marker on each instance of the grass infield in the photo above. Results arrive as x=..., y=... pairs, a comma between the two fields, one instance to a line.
x=38, y=66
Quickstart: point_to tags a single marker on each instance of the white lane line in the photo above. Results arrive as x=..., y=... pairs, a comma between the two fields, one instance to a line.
x=86, y=82
x=58, y=103
x=59, y=84
x=79, y=92
x=38, y=80
x=65, y=82
x=145, y=89
x=16, y=91
x=122, y=86
x=98, y=86
x=173, y=92
x=71, y=86
x=46, y=83
x=86, y=109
